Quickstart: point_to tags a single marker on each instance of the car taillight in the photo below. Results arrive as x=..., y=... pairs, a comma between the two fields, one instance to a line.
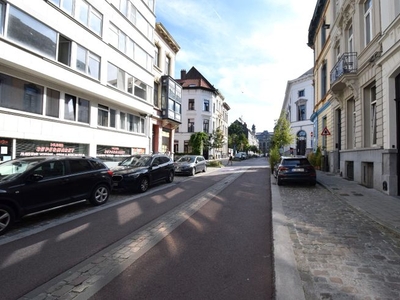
x=282, y=169
x=110, y=172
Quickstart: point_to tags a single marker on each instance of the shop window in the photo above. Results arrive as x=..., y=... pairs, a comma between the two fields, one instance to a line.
x=31, y=33
x=52, y=103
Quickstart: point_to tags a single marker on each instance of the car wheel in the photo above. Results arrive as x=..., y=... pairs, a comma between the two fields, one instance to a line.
x=278, y=181
x=170, y=177
x=205, y=169
x=193, y=171
x=144, y=184
x=7, y=217
x=313, y=182
x=100, y=194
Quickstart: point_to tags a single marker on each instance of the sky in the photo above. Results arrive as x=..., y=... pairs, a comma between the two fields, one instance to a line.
x=247, y=49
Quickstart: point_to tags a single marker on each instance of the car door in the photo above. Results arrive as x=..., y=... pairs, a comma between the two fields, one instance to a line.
x=44, y=187
x=82, y=178
x=156, y=170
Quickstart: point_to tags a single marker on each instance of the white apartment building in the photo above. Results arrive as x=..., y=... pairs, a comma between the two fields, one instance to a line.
x=204, y=109
x=298, y=107
x=76, y=77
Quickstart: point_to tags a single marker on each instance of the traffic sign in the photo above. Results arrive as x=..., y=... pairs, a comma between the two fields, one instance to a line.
x=325, y=131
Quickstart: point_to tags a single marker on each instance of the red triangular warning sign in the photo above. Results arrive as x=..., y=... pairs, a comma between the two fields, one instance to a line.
x=325, y=131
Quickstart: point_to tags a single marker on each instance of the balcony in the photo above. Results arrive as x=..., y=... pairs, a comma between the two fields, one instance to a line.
x=346, y=65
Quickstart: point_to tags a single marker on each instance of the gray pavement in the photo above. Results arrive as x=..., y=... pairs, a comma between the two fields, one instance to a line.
x=346, y=245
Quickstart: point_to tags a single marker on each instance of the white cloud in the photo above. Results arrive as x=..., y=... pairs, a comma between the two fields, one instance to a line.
x=246, y=49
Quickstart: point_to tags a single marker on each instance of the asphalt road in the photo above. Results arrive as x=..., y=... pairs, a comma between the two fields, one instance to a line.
x=224, y=248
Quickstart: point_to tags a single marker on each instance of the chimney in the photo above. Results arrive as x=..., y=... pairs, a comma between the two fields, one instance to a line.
x=183, y=74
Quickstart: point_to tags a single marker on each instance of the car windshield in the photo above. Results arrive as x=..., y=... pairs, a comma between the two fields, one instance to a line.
x=136, y=161
x=189, y=159
x=13, y=168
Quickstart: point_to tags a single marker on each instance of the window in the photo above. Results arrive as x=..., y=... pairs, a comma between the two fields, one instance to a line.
x=87, y=62
x=323, y=80
x=30, y=33
x=206, y=126
x=167, y=65
x=156, y=56
x=64, y=50
x=323, y=34
x=301, y=112
x=301, y=93
x=76, y=110
x=102, y=115
x=2, y=10
x=206, y=106
x=20, y=95
x=155, y=94
x=190, y=125
x=83, y=12
x=122, y=119
x=52, y=103
x=135, y=123
x=79, y=165
x=140, y=89
x=350, y=44
x=370, y=116
x=191, y=104
x=116, y=77
x=351, y=124
x=367, y=21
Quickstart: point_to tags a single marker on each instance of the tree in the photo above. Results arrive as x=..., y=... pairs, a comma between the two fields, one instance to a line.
x=282, y=133
x=217, y=139
x=237, y=137
x=282, y=137
x=198, y=141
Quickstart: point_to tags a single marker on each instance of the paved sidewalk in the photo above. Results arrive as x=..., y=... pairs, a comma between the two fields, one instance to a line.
x=380, y=207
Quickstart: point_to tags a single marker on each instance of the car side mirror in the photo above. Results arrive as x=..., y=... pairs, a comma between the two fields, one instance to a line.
x=35, y=177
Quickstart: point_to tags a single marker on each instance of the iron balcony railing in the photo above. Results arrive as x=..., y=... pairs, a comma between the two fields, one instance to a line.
x=346, y=64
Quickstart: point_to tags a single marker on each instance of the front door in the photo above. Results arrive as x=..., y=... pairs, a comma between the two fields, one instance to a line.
x=397, y=87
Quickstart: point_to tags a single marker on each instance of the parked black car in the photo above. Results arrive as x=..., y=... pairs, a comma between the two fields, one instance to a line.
x=139, y=172
x=295, y=169
x=190, y=164
x=34, y=184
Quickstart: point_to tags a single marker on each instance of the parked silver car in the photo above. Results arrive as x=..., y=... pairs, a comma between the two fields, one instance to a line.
x=190, y=164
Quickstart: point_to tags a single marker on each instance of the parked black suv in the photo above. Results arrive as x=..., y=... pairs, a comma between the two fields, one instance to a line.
x=295, y=169
x=34, y=184
x=140, y=171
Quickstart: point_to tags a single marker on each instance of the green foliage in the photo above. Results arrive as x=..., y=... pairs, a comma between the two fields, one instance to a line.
x=214, y=163
x=217, y=139
x=237, y=137
x=198, y=141
x=274, y=157
x=315, y=158
x=282, y=134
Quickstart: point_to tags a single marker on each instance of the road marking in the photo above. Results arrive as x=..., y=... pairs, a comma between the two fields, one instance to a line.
x=87, y=278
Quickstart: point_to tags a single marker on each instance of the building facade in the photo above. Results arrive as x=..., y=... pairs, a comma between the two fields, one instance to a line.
x=298, y=107
x=77, y=78
x=204, y=109
x=363, y=82
x=166, y=116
